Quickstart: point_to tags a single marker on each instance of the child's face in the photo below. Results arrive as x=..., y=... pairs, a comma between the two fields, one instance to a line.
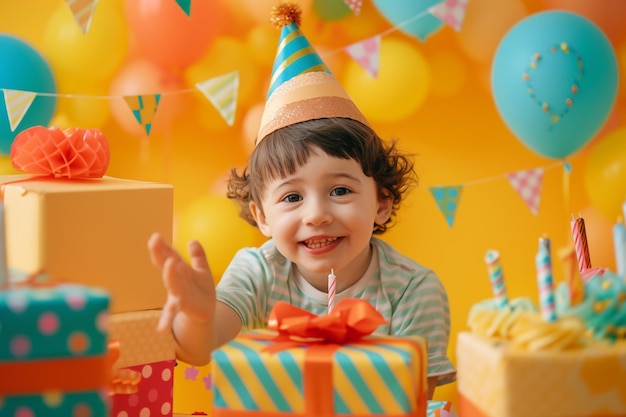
x=322, y=216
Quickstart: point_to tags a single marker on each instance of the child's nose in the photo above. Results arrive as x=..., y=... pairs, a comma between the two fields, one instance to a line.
x=316, y=213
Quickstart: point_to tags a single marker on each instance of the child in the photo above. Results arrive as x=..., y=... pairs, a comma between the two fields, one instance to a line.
x=319, y=184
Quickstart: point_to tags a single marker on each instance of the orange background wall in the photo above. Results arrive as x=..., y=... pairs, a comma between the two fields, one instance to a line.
x=455, y=131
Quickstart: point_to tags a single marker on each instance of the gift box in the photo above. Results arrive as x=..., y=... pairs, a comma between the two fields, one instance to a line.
x=495, y=380
x=92, y=231
x=54, y=358
x=319, y=371
x=148, y=354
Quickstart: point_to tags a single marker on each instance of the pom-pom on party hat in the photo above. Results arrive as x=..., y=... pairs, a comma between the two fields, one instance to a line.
x=302, y=87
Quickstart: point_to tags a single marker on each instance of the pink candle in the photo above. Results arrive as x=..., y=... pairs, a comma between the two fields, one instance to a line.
x=579, y=235
x=332, y=288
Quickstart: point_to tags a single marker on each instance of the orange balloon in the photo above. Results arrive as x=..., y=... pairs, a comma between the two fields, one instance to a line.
x=251, y=124
x=140, y=77
x=166, y=35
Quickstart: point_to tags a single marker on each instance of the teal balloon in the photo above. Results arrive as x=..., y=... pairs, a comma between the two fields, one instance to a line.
x=554, y=80
x=23, y=68
x=331, y=10
x=411, y=16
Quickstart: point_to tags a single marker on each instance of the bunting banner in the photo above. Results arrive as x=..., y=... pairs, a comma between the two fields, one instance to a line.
x=527, y=183
x=144, y=108
x=451, y=12
x=185, y=5
x=17, y=103
x=447, y=199
x=222, y=92
x=82, y=10
x=354, y=5
x=367, y=54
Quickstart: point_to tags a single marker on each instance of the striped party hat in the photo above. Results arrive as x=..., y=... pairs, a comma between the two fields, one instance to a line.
x=302, y=87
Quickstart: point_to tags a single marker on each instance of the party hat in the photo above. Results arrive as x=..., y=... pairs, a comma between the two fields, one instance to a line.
x=302, y=87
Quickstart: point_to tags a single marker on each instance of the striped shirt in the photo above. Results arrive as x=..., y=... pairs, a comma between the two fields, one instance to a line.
x=409, y=296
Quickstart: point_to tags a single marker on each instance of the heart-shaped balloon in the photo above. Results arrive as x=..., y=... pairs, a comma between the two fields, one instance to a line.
x=69, y=153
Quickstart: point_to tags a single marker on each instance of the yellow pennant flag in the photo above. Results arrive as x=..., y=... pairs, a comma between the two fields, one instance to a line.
x=144, y=108
x=222, y=93
x=83, y=12
x=17, y=103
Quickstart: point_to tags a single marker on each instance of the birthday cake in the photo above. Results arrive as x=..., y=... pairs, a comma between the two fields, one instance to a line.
x=565, y=358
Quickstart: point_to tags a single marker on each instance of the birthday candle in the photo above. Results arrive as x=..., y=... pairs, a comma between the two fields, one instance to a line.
x=332, y=287
x=3, y=254
x=572, y=275
x=543, y=264
x=579, y=235
x=619, y=246
x=496, y=278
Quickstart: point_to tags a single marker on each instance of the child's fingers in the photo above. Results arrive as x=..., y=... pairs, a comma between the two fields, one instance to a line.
x=197, y=256
x=159, y=250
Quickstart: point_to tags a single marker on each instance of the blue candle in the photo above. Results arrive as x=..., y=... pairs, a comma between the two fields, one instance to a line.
x=619, y=245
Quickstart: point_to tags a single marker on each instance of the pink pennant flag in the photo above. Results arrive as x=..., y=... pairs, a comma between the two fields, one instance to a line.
x=447, y=199
x=83, y=12
x=367, y=54
x=527, y=184
x=144, y=108
x=222, y=93
x=17, y=103
x=354, y=5
x=452, y=12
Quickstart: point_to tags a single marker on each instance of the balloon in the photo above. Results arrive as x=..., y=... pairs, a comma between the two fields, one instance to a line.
x=554, y=80
x=214, y=222
x=449, y=73
x=167, y=36
x=138, y=77
x=92, y=57
x=605, y=174
x=251, y=124
x=411, y=16
x=23, y=68
x=399, y=90
x=331, y=10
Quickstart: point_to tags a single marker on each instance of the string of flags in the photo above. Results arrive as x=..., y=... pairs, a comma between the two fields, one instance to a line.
x=222, y=91
x=526, y=183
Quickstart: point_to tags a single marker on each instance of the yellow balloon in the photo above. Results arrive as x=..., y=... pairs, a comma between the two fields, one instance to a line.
x=262, y=41
x=93, y=56
x=401, y=87
x=214, y=222
x=605, y=174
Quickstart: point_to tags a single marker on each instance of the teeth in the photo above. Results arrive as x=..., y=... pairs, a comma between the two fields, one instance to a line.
x=319, y=243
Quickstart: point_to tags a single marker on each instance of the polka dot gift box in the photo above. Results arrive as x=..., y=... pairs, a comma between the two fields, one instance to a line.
x=54, y=360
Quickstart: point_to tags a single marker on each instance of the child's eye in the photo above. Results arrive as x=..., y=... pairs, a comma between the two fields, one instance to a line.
x=340, y=191
x=292, y=198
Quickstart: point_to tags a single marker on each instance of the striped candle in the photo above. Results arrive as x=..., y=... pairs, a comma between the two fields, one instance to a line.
x=545, y=282
x=332, y=288
x=579, y=235
x=572, y=275
x=496, y=278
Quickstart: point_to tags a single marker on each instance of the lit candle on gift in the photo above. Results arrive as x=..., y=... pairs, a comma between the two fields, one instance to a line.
x=545, y=282
x=4, y=280
x=496, y=278
x=579, y=235
x=332, y=288
x=619, y=245
x=572, y=275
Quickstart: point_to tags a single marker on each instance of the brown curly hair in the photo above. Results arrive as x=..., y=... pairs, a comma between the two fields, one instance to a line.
x=280, y=153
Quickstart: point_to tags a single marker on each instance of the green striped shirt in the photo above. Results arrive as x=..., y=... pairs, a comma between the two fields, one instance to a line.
x=409, y=296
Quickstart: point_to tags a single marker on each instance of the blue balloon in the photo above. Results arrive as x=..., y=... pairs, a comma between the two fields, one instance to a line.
x=23, y=68
x=410, y=16
x=554, y=80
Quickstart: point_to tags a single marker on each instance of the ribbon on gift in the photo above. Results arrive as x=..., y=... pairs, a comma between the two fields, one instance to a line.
x=349, y=323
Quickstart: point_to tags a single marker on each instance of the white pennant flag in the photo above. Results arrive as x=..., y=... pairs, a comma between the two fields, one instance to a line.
x=17, y=103
x=367, y=54
x=83, y=12
x=222, y=93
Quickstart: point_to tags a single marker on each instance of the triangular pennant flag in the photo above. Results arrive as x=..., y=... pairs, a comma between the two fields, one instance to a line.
x=527, y=183
x=222, y=93
x=144, y=107
x=185, y=5
x=17, y=104
x=447, y=198
x=452, y=12
x=354, y=5
x=367, y=54
x=83, y=12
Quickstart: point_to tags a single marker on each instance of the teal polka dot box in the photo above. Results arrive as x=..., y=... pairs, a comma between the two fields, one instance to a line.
x=53, y=351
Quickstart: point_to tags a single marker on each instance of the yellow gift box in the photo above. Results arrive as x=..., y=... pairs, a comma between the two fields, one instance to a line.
x=88, y=231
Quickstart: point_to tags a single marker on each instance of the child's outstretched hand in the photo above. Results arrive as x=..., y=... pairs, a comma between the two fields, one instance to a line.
x=190, y=287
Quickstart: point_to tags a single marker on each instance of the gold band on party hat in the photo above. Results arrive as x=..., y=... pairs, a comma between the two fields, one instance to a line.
x=302, y=87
